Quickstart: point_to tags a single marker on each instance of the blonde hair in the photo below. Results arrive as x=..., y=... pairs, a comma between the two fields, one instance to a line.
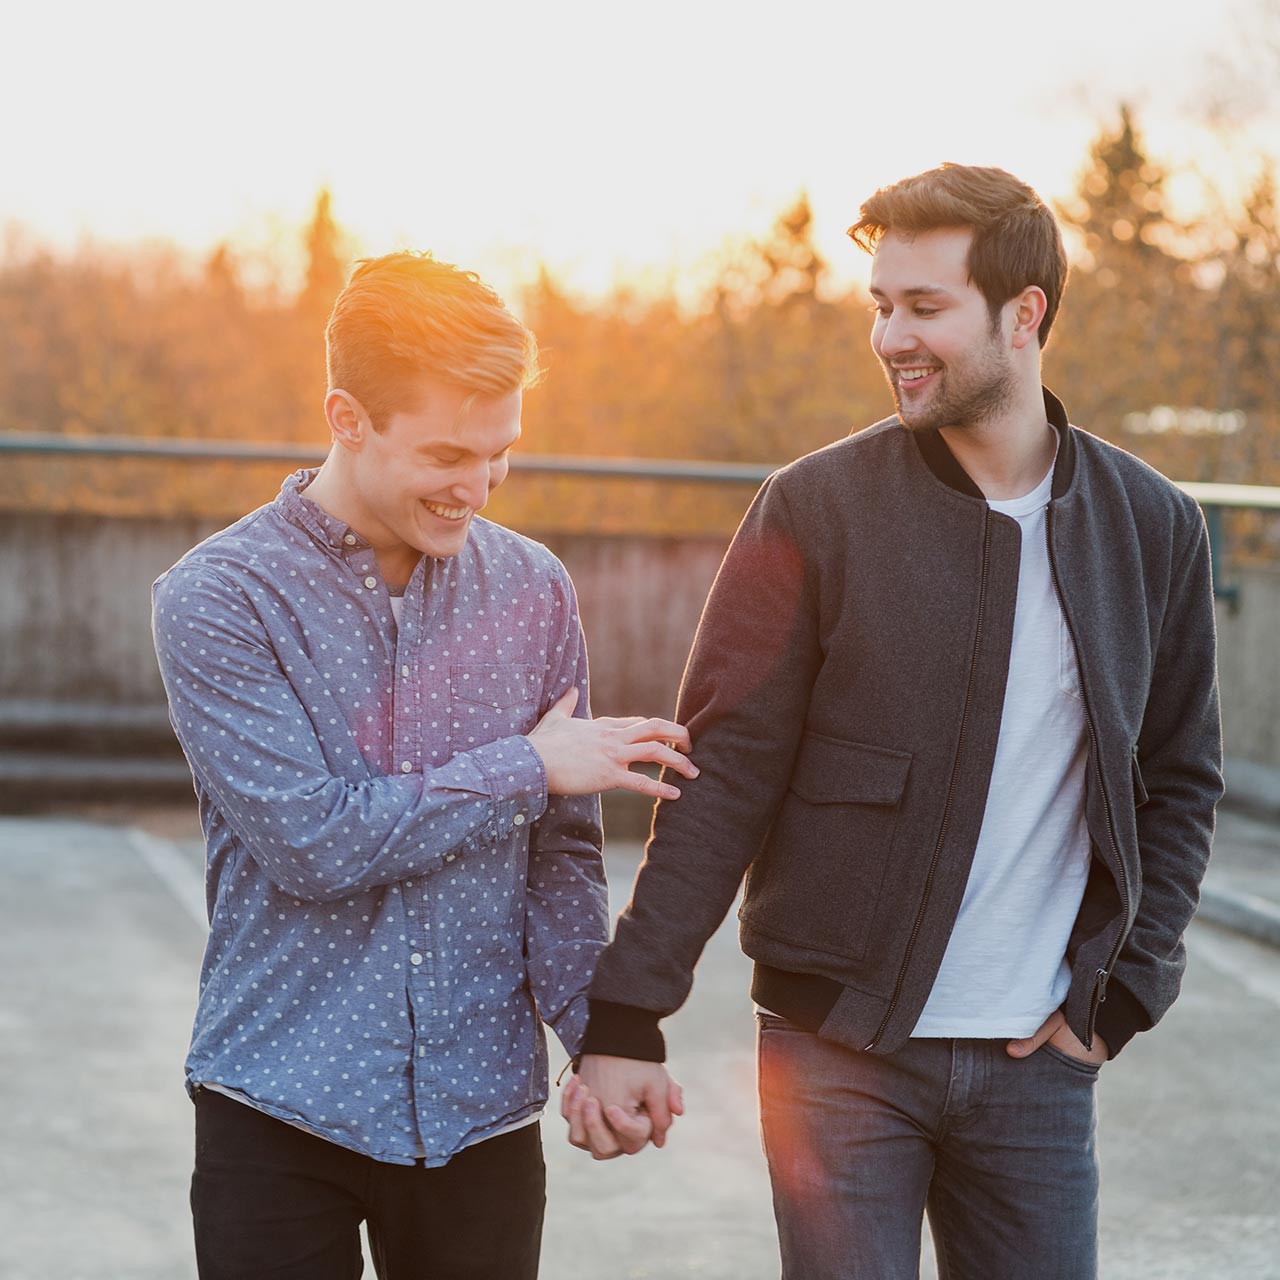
x=1016, y=240
x=406, y=316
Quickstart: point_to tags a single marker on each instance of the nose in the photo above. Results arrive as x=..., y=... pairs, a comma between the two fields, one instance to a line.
x=895, y=335
x=472, y=487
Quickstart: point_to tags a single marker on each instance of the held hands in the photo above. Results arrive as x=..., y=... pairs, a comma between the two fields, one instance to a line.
x=582, y=757
x=1054, y=1030
x=615, y=1106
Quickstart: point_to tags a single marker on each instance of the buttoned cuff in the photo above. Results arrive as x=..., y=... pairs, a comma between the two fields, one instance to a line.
x=570, y=1025
x=517, y=781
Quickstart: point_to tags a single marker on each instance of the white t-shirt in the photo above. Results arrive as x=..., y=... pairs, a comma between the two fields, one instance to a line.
x=1005, y=969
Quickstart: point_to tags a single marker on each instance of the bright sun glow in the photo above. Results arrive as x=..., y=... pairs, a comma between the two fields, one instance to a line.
x=613, y=143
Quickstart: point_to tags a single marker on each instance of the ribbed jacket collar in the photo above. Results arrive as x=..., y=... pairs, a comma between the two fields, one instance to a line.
x=942, y=462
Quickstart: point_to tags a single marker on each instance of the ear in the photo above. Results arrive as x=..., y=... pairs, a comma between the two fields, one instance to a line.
x=1028, y=311
x=347, y=419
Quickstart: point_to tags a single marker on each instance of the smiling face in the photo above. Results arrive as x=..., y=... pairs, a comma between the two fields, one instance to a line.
x=948, y=363
x=413, y=487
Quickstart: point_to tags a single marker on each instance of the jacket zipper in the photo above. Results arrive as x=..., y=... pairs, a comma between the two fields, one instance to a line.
x=1100, y=976
x=951, y=788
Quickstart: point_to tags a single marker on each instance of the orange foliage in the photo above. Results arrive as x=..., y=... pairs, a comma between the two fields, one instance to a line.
x=771, y=365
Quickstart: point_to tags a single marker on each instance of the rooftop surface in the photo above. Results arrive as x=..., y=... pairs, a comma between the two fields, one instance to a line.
x=101, y=932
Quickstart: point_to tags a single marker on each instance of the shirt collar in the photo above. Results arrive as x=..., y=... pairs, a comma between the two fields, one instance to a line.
x=298, y=509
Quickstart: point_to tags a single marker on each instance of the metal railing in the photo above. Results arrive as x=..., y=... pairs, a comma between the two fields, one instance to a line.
x=239, y=451
x=1213, y=498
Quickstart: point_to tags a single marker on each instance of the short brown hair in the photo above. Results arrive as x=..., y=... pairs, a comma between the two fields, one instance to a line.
x=1016, y=240
x=405, y=316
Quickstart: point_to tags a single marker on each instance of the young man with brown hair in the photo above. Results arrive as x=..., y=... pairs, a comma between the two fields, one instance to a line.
x=383, y=699
x=953, y=699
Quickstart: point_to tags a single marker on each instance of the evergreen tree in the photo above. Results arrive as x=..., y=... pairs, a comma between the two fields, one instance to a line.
x=795, y=368
x=327, y=259
x=1247, y=332
x=1119, y=209
x=1131, y=333
x=796, y=270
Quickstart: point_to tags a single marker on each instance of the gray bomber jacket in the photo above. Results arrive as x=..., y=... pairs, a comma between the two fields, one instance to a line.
x=844, y=696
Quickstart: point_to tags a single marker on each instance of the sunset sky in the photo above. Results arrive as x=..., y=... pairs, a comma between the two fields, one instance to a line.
x=610, y=141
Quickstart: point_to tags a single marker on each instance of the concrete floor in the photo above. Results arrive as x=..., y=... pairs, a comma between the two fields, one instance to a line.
x=100, y=940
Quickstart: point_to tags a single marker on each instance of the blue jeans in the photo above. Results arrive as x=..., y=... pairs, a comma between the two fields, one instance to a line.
x=999, y=1150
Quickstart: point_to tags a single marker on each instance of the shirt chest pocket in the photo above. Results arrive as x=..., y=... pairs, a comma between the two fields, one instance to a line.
x=489, y=701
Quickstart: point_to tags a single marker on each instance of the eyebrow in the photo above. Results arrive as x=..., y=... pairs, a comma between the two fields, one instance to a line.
x=917, y=291
x=447, y=445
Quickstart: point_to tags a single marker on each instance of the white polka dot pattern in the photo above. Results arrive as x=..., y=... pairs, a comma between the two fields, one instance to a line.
x=394, y=904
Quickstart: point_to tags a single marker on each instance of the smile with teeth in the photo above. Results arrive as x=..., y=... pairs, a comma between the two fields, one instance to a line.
x=447, y=513
x=915, y=374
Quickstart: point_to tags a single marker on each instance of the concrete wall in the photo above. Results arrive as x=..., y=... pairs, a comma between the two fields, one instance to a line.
x=75, y=608
x=75, y=611
x=75, y=605
x=640, y=600
x=1249, y=667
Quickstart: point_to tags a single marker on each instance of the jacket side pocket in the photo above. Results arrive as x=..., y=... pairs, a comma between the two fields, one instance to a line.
x=1140, y=796
x=818, y=879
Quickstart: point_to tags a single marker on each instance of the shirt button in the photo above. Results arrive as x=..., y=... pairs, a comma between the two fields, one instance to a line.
x=415, y=958
x=406, y=766
x=371, y=582
x=404, y=671
x=518, y=819
x=350, y=539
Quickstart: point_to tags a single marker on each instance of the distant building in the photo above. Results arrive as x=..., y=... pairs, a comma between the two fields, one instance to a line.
x=1185, y=421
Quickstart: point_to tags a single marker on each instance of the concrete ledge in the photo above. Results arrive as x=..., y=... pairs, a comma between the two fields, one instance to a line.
x=1245, y=913
x=1252, y=788
x=33, y=782
x=86, y=727
x=33, y=712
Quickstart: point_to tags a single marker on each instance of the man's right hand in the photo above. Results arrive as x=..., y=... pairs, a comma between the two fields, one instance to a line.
x=614, y=1106
x=582, y=757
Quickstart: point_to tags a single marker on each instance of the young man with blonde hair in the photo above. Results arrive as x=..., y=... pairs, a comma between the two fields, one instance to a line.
x=953, y=699
x=383, y=700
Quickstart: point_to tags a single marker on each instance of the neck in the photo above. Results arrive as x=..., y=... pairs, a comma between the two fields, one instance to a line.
x=1008, y=455
x=333, y=492
x=327, y=490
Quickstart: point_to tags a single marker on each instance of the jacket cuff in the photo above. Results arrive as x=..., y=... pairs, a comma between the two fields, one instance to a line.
x=623, y=1031
x=1120, y=1018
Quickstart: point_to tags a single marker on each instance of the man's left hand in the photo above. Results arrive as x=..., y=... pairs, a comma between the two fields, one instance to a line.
x=1054, y=1030
x=616, y=1106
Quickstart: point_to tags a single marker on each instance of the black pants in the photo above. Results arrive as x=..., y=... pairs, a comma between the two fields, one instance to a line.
x=271, y=1202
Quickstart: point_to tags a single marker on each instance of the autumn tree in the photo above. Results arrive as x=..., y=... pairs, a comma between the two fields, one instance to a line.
x=1245, y=340
x=771, y=362
x=1131, y=331
x=145, y=342
x=328, y=259
x=1246, y=332
x=795, y=369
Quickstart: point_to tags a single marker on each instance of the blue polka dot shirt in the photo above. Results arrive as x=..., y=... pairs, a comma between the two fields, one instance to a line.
x=395, y=904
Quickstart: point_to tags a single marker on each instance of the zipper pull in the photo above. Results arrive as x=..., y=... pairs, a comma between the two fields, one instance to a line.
x=1100, y=985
